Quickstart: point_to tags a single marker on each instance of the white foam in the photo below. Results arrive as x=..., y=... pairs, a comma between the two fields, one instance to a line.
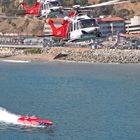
x=8, y=117
x=16, y=61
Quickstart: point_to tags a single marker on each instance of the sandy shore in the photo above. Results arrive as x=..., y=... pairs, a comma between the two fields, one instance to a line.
x=32, y=57
x=80, y=55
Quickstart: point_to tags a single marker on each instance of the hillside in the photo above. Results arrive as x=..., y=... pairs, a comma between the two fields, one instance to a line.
x=133, y=7
x=22, y=26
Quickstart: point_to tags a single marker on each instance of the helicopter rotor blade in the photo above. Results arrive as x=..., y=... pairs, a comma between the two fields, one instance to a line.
x=114, y=2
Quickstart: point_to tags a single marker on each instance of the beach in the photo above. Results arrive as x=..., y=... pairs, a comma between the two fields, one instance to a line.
x=72, y=54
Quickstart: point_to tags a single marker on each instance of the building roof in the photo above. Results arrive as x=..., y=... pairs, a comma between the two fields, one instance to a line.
x=131, y=35
x=108, y=19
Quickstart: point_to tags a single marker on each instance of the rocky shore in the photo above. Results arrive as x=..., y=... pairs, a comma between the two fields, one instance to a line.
x=8, y=52
x=76, y=55
x=97, y=55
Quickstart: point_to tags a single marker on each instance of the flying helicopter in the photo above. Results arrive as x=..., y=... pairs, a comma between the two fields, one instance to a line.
x=42, y=8
x=75, y=27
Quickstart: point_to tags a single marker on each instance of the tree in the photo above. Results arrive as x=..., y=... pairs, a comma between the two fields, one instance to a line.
x=83, y=2
x=123, y=13
x=75, y=2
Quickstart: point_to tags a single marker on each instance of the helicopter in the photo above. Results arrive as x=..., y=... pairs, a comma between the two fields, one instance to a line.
x=75, y=27
x=42, y=8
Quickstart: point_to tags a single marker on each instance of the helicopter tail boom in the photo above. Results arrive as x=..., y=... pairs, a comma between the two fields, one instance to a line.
x=34, y=9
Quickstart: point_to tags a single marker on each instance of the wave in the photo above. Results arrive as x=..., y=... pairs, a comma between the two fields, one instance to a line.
x=16, y=61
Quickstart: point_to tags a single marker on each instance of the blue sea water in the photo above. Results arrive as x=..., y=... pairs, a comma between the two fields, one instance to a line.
x=85, y=101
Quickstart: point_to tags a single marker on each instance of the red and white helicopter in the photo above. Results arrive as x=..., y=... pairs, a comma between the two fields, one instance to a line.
x=75, y=27
x=41, y=8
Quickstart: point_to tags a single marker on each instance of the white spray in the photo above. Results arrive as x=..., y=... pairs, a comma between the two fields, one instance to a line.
x=8, y=117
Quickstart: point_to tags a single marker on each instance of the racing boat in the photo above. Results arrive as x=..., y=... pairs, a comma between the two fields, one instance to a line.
x=33, y=121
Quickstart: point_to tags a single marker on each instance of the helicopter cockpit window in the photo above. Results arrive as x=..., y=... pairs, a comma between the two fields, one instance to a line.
x=85, y=23
x=54, y=3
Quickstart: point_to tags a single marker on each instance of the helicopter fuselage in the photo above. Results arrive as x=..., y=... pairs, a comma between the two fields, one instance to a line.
x=82, y=26
x=49, y=6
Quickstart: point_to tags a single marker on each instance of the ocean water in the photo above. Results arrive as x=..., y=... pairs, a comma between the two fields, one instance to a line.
x=85, y=101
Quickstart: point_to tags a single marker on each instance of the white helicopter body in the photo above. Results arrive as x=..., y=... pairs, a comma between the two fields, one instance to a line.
x=49, y=6
x=82, y=25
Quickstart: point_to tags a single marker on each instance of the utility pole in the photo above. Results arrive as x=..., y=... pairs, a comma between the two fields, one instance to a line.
x=112, y=28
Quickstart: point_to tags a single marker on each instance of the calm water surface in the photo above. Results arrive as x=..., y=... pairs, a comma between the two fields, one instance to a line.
x=85, y=101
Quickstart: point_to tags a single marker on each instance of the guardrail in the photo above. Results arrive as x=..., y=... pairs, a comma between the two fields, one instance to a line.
x=21, y=46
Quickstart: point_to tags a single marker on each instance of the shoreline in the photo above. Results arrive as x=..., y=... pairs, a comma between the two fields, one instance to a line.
x=75, y=55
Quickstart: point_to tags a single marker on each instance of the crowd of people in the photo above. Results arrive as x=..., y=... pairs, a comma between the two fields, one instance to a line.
x=110, y=42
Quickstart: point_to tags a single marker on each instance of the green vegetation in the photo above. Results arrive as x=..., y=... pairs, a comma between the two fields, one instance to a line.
x=30, y=2
x=20, y=29
x=8, y=7
x=33, y=51
x=74, y=2
x=122, y=13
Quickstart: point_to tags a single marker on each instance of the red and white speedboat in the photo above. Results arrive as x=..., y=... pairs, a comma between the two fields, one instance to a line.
x=33, y=121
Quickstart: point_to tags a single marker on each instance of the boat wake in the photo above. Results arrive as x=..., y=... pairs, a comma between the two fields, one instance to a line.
x=10, y=120
x=8, y=117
